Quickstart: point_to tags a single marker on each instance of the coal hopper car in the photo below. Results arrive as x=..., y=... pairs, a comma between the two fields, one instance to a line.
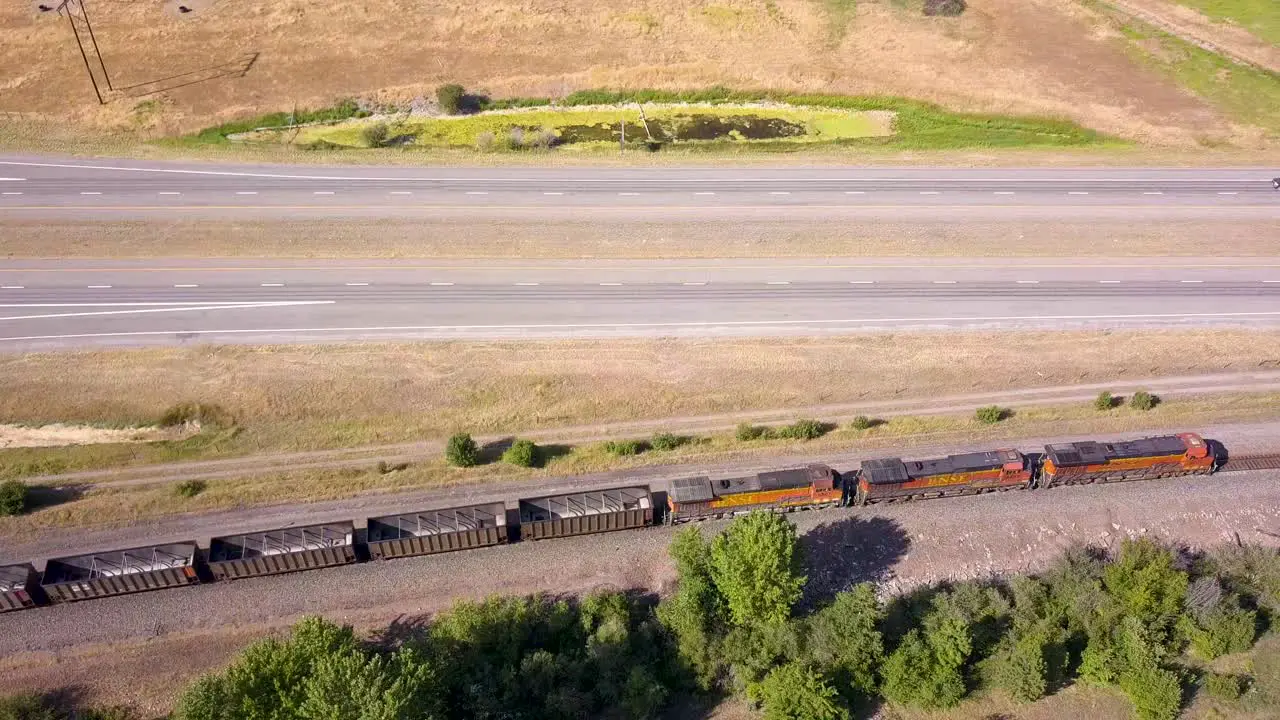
x=17, y=586
x=700, y=498
x=587, y=512
x=1081, y=463
x=434, y=531
x=888, y=479
x=280, y=551
x=119, y=572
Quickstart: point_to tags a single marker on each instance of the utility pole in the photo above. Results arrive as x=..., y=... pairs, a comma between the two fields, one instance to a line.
x=66, y=7
x=94, y=40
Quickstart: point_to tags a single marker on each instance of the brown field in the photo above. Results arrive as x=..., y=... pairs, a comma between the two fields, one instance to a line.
x=633, y=237
x=1006, y=56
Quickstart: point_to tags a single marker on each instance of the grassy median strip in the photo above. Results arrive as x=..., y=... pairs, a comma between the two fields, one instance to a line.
x=281, y=399
x=111, y=505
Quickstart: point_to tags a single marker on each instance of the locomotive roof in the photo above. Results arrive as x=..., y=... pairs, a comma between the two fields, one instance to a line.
x=894, y=470
x=14, y=577
x=1093, y=453
x=704, y=489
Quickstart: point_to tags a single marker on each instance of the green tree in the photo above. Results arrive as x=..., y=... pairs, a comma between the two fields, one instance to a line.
x=990, y=414
x=695, y=613
x=523, y=453
x=462, y=451
x=845, y=639
x=1143, y=400
x=1223, y=629
x=667, y=441
x=927, y=668
x=796, y=692
x=756, y=567
x=1022, y=670
x=356, y=686
x=1147, y=584
x=1104, y=401
x=14, y=497
x=375, y=135
x=450, y=97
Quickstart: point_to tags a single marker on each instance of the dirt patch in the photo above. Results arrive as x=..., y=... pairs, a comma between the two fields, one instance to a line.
x=182, y=72
x=15, y=436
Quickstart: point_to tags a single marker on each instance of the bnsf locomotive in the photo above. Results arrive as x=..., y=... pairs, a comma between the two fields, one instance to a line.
x=423, y=532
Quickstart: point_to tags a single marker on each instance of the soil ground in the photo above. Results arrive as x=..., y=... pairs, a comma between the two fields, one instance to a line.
x=603, y=237
x=178, y=72
x=143, y=648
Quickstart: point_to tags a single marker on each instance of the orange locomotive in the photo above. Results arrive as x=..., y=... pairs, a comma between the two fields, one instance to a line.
x=1155, y=457
x=699, y=498
x=970, y=473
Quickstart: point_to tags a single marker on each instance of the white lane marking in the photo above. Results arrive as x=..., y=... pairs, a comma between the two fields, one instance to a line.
x=12, y=287
x=322, y=192
x=11, y=192
x=271, y=285
x=854, y=192
x=1002, y=192
x=186, y=286
x=1228, y=193
x=89, y=192
x=1191, y=281
x=611, y=284
x=4, y=179
x=98, y=287
x=186, y=307
x=285, y=176
x=552, y=193
x=441, y=284
x=526, y=284
x=693, y=283
x=1078, y=192
x=1108, y=282
x=246, y=192
x=930, y=192
x=1271, y=281
x=944, y=282
x=704, y=193
x=862, y=282
x=401, y=192
x=1153, y=192
x=168, y=192
x=628, y=193
x=780, y=192
x=356, y=284
x=477, y=192
x=778, y=282
x=1028, y=282
x=617, y=326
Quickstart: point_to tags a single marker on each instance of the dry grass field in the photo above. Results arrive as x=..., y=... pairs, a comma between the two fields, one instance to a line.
x=180, y=72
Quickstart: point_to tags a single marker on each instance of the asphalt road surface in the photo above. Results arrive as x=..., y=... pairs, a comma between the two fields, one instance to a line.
x=35, y=187
x=66, y=304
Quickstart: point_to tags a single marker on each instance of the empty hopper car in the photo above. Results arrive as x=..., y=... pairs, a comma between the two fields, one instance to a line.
x=700, y=498
x=425, y=532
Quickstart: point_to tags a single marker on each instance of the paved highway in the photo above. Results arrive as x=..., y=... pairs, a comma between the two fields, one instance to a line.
x=33, y=187
x=67, y=304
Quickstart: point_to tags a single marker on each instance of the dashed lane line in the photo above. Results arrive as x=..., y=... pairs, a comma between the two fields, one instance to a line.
x=11, y=192
x=98, y=287
x=441, y=284
x=12, y=287
x=400, y=192
x=89, y=192
x=271, y=285
x=356, y=284
x=186, y=286
x=322, y=192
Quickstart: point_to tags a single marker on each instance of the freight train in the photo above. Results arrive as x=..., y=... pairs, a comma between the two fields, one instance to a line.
x=282, y=550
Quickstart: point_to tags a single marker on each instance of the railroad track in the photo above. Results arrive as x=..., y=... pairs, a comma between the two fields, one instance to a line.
x=1252, y=462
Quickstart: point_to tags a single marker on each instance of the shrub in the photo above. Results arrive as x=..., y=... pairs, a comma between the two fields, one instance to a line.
x=1225, y=629
x=462, y=451
x=796, y=692
x=523, y=453
x=375, y=135
x=747, y=432
x=845, y=638
x=189, y=488
x=862, y=422
x=485, y=141
x=202, y=416
x=1224, y=686
x=451, y=98
x=667, y=441
x=1022, y=671
x=624, y=448
x=756, y=565
x=990, y=415
x=802, y=430
x=944, y=8
x=14, y=497
x=543, y=139
x=1104, y=401
x=1143, y=400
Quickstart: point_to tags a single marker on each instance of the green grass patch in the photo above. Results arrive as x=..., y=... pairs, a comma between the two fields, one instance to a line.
x=1245, y=93
x=1260, y=17
x=787, y=123
x=217, y=135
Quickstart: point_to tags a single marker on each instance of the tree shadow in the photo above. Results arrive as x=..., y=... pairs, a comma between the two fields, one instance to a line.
x=404, y=630
x=238, y=67
x=40, y=497
x=491, y=452
x=844, y=553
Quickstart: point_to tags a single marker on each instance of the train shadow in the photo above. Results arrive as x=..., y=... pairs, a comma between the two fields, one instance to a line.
x=40, y=497
x=841, y=554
